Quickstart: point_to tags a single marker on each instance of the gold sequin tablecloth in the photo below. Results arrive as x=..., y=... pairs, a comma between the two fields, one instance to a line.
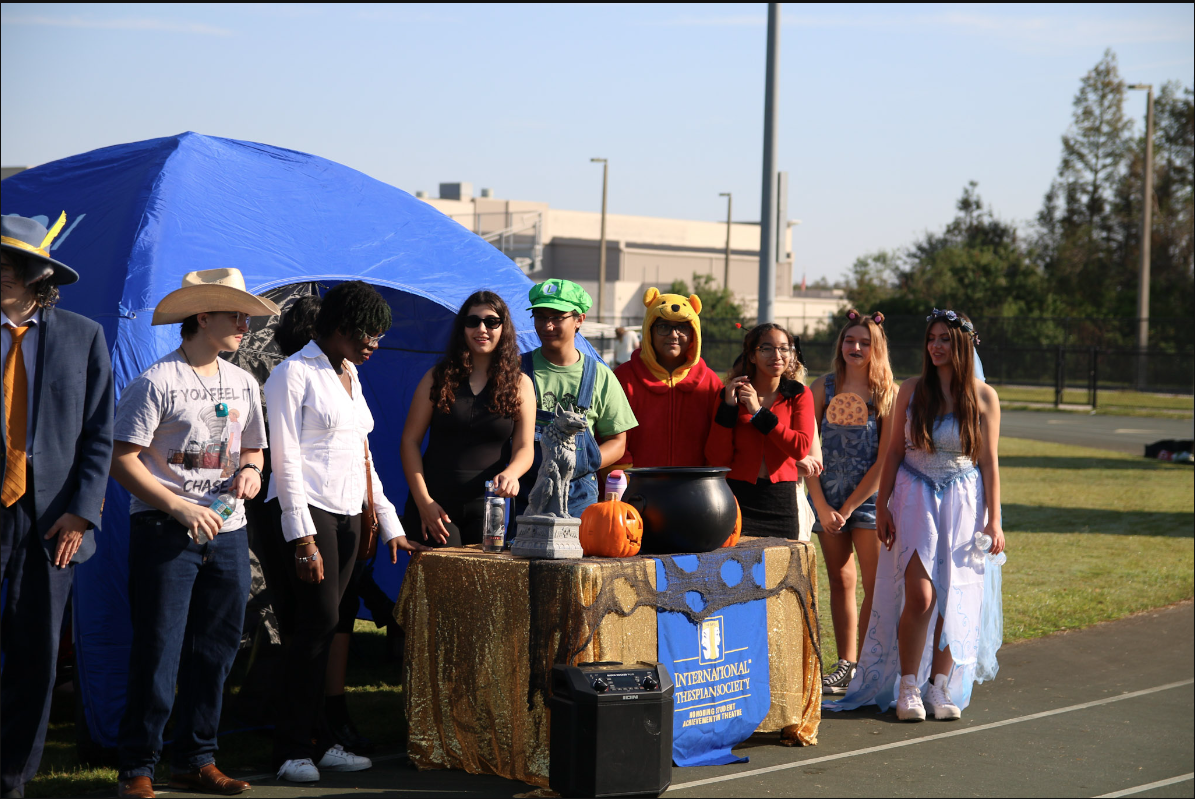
x=483, y=631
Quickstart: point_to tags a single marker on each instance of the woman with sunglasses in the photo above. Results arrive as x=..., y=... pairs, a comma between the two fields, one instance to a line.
x=322, y=477
x=480, y=409
x=763, y=430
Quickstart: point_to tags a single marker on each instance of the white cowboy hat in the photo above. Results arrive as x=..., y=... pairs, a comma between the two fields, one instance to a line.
x=209, y=291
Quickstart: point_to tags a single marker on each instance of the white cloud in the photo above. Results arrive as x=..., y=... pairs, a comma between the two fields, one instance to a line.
x=127, y=24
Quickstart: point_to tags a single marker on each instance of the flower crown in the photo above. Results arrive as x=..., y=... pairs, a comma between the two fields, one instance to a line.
x=954, y=320
x=855, y=316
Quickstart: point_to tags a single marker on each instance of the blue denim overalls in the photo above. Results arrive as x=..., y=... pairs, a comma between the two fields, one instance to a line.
x=583, y=490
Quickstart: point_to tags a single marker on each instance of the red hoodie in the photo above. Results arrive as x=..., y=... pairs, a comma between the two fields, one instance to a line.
x=673, y=421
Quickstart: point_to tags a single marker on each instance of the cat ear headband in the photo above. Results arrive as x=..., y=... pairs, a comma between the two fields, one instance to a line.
x=855, y=316
x=954, y=320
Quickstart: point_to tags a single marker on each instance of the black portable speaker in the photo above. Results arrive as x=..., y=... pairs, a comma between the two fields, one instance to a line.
x=611, y=729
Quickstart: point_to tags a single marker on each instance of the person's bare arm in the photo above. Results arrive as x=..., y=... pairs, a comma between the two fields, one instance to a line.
x=892, y=452
x=247, y=482
x=522, y=453
x=130, y=472
x=419, y=419
x=612, y=449
x=989, y=461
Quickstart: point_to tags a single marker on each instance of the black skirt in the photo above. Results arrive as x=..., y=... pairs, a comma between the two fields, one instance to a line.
x=769, y=509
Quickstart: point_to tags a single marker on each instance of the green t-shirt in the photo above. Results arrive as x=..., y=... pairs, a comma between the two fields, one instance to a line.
x=610, y=414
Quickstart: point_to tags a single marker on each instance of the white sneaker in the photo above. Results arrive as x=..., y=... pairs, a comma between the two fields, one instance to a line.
x=908, y=704
x=301, y=770
x=938, y=700
x=336, y=759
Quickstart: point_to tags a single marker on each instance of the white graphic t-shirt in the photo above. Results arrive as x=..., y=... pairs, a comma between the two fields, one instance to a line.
x=193, y=450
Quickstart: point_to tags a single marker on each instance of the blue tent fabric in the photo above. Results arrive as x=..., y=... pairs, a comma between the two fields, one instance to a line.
x=142, y=215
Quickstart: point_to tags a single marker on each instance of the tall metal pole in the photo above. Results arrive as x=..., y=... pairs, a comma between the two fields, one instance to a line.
x=1146, y=235
x=602, y=246
x=726, y=269
x=767, y=206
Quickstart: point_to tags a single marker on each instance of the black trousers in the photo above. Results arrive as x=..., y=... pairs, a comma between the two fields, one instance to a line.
x=313, y=611
x=29, y=633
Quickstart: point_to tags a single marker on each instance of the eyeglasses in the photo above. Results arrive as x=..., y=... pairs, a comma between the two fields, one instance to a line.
x=768, y=349
x=684, y=329
x=490, y=322
x=554, y=321
x=372, y=341
x=240, y=318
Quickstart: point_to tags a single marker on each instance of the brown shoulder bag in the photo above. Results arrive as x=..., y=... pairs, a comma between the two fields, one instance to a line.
x=369, y=516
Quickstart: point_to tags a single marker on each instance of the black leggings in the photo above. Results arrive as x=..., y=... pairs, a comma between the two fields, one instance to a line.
x=315, y=611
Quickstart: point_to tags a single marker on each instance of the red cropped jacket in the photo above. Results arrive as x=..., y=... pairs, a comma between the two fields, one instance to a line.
x=780, y=435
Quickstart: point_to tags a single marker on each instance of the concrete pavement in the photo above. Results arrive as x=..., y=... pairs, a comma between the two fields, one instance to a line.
x=1098, y=712
x=1122, y=433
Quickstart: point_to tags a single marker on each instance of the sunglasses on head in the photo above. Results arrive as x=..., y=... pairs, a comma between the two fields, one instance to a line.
x=490, y=322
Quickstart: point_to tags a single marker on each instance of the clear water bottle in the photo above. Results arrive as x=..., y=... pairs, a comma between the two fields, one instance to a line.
x=493, y=537
x=616, y=484
x=225, y=505
x=983, y=543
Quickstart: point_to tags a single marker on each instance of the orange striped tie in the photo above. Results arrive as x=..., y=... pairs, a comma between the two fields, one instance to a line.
x=16, y=400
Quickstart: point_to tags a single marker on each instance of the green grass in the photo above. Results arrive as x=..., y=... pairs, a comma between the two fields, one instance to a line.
x=1093, y=535
x=1115, y=402
x=375, y=702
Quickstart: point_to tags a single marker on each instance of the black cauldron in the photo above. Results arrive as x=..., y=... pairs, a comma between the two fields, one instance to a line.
x=684, y=508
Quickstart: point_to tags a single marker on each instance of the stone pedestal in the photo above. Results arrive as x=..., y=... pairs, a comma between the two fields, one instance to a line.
x=547, y=537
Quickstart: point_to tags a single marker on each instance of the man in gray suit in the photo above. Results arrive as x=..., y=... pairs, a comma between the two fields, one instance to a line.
x=57, y=426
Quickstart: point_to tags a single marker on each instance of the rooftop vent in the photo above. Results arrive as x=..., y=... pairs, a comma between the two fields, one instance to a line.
x=487, y=193
x=456, y=191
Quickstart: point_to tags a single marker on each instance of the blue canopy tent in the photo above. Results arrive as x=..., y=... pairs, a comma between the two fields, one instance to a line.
x=142, y=215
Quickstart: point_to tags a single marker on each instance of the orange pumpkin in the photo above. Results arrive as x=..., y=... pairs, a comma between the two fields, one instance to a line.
x=611, y=529
x=738, y=526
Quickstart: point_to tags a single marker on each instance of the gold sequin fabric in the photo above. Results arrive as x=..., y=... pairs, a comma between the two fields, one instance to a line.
x=483, y=631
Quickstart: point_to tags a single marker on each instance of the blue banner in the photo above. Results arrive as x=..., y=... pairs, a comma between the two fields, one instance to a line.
x=720, y=669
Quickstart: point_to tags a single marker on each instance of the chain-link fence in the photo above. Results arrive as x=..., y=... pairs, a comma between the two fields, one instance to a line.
x=1074, y=357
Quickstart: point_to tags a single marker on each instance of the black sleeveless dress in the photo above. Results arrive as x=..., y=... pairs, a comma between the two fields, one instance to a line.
x=465, y=448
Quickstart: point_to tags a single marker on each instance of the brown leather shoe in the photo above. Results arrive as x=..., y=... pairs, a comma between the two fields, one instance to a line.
x=136, y=788
x=209, y=779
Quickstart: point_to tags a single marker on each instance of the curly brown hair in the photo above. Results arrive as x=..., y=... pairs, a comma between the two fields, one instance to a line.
x=796, y=367
x=45, y=291
x=457, y=363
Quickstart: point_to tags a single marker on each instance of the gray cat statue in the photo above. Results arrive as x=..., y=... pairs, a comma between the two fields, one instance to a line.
x=547, y=530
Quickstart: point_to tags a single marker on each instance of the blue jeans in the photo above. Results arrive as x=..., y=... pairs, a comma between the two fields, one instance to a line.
x=188, y=607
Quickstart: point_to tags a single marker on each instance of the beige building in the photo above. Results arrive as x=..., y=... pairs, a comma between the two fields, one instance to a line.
x=641, y=251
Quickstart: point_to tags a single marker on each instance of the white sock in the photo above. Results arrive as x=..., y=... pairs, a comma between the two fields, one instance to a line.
x=941, y=681
x=908, y=679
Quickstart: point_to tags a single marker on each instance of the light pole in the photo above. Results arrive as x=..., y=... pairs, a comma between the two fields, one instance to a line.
x=726, y=270
x=767, y=205
x=602, y=246
x=1146, y=231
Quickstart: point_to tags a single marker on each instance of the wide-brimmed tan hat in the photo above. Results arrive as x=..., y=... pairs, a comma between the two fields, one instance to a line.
x=208, y=291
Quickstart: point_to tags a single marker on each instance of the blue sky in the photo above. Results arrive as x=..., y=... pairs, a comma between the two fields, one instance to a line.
x=885, y=111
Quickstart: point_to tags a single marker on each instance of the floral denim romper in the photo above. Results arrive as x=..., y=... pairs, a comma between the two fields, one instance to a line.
x=848, y=451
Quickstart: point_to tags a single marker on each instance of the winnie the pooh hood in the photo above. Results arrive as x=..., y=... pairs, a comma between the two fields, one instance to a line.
x=670, y=308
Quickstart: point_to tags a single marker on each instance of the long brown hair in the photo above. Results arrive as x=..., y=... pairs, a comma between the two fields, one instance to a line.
x=795, y=370
x=879, y=369
x=927, y=397
x=457, y=363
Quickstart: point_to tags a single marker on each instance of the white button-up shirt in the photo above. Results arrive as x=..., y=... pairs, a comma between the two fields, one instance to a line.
x=318, y=436
x=29, y=353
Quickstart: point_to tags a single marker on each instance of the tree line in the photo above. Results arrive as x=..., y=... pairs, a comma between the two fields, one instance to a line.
x=1080, y=256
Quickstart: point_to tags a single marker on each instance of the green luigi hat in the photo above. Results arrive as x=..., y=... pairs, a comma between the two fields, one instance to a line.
x=560, y=295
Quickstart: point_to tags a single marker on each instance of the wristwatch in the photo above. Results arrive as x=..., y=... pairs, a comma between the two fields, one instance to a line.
x=254, y=467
